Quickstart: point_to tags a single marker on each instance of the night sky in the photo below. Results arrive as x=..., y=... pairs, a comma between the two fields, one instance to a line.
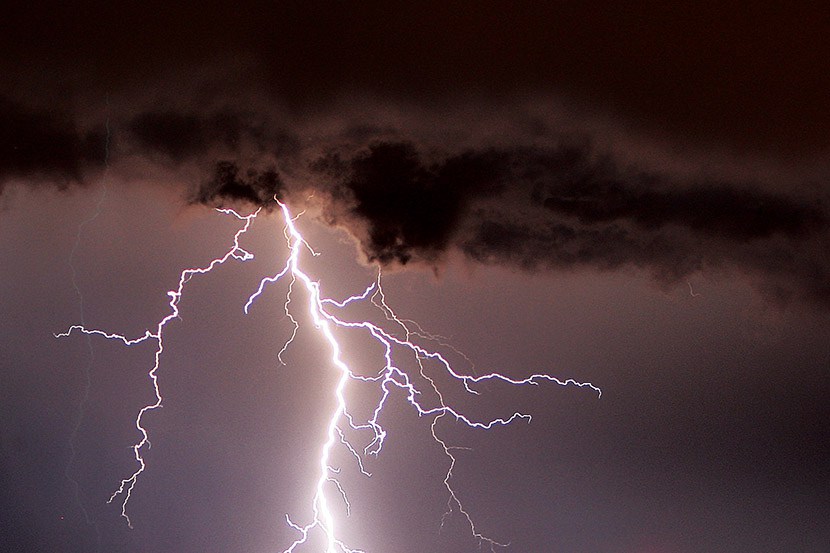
x=633, y=195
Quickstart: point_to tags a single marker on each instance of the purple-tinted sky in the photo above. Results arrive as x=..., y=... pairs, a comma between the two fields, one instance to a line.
x=634, y=196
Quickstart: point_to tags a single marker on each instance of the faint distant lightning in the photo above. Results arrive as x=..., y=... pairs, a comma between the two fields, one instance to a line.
x=87, y=384
x=236, y=252
x=343, y=426
x=692, y=290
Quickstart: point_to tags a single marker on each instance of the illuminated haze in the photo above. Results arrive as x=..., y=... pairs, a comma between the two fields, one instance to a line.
x=635, y=197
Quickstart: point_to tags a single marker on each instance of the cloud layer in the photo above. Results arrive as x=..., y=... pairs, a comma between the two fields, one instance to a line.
x=414, y=192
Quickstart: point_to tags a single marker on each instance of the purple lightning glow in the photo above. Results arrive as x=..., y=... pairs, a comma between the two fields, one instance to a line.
x=394, y=344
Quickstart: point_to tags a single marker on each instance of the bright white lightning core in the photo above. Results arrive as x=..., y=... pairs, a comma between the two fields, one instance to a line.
x=323, y=312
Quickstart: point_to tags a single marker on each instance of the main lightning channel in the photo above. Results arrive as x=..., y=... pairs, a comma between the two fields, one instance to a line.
x=389, y=377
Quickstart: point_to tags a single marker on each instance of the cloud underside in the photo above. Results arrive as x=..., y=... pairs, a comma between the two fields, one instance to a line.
x=551, y=204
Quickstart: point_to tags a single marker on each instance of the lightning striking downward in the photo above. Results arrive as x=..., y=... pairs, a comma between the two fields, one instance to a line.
x=421, y=386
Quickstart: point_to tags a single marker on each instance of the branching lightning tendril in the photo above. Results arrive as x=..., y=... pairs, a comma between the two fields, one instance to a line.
x=343, y=426
x=236, y=252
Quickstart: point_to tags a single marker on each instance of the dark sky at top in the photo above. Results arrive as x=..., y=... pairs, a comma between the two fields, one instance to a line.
x=544, y=135
x=746, y=74
x=634, y=192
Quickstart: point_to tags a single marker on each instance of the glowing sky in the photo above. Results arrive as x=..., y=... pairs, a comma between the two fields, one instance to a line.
x=635, y=198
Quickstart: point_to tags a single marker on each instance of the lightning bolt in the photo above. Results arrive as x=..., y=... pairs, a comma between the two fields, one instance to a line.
x=323, y=313
x=125, y=489
x=398, y=338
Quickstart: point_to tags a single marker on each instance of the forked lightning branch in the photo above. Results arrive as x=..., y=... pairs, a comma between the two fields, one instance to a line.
x=401, y=341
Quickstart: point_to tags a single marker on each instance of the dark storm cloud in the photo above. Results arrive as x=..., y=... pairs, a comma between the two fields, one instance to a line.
x=49, y=146
x=557, y=208
x=257, y=188
x=410, y=195
x=45, y=145
x=411, y=209
x=414, y=206
x=561, y=208
x=716, y=209
x=182, y=136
